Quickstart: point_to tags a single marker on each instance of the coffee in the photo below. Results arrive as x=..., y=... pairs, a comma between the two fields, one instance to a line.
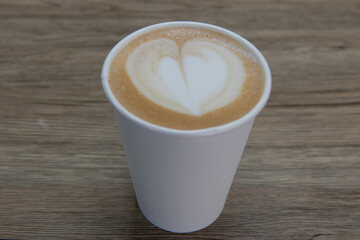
x=186, y=78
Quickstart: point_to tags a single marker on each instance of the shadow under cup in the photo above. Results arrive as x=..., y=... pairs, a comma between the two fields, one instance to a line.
x=182, y=177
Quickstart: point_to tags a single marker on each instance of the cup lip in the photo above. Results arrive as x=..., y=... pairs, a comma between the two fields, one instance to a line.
x=196, y=132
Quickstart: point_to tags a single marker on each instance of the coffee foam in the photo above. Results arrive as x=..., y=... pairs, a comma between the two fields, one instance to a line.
x=196, y=79
x=186, y=78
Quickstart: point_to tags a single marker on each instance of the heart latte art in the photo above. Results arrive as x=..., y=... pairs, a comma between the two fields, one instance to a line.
x=186, y=78
x=195, y=78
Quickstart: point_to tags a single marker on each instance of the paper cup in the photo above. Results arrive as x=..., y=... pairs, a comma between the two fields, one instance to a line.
x=182, y=177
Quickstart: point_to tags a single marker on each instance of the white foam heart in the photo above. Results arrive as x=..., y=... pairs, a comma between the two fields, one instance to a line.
x=199, y=78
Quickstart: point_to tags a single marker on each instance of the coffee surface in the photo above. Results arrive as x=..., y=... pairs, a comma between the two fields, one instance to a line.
x=186, y=78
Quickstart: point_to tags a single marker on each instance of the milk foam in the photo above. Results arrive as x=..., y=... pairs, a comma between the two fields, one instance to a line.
x=196, y=78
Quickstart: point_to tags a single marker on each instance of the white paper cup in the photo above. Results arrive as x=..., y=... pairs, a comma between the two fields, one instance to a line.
x=182, y=177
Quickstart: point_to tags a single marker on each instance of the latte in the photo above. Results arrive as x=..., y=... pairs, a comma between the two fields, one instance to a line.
x=186, y=78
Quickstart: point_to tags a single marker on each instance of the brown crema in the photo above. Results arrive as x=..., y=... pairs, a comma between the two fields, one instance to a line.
x=135, y=102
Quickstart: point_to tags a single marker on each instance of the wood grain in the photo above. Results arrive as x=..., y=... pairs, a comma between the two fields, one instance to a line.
x=63, y=171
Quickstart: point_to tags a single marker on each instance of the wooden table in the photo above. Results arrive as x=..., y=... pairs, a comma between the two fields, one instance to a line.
x=63, y=172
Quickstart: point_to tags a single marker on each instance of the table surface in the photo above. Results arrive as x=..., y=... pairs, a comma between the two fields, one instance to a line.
x=63, y=171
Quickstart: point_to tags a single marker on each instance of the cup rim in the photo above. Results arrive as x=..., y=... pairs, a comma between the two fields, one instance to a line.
x=195, y=132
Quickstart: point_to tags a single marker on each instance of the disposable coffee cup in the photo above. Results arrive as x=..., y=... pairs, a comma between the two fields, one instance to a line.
x=182, y=177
